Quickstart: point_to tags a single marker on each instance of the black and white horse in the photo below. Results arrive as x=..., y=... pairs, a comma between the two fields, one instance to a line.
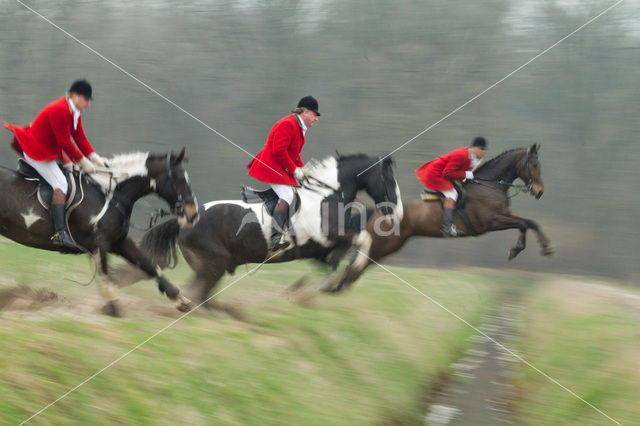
x=99, y=211
x=234, y=232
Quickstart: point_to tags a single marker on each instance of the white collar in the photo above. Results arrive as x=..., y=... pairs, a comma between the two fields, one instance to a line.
x=76, y=113
x=304, y=128
x=474, y=160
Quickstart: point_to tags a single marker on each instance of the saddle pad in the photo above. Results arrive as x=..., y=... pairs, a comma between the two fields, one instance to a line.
x=426, y=196
x=44, y=191
x=269, y=198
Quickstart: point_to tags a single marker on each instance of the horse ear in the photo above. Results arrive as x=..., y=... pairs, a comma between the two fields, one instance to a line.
x=388, y=160
x=178, y=159
x=534, y=148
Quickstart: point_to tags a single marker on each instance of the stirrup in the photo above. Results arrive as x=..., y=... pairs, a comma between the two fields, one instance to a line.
x=281, y=244
x=450, y=231
x=62, y=239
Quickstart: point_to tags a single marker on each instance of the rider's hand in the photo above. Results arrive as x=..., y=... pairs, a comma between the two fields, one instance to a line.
x=298, y=174
x=97, y=160
x=468, y=175
x=68, y=166
x=87, y=166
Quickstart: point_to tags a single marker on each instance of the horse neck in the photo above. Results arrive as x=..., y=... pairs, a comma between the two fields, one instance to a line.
x=501, y=169
x=132, y=189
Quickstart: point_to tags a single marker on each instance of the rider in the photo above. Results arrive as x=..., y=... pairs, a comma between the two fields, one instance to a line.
x=48, y=138
x=438, y=174
x=279, y=162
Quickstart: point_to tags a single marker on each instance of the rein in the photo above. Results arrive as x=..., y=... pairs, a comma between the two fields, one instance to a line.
x=520, y=188
x=319, y=183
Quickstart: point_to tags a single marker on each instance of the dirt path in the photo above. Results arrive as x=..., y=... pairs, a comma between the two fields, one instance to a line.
x=479, y=392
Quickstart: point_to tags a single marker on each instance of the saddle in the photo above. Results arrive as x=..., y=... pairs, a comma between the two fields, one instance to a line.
x=269, y=198
x=44, y=191
x=431, y=195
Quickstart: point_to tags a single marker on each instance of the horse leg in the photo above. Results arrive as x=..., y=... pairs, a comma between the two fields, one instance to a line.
x=130, y=252
x=362, y=245
x=108, y=289
x=504, y=222
x=544, y=242
x=520, y=245
x=207, y=277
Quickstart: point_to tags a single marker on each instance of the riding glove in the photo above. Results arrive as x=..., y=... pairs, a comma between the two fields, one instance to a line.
x=468, y=175
x=87, y=166
x=298, y=174
x=97, y=160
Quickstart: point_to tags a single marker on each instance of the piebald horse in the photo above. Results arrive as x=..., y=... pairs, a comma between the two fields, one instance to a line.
x=234, y=232
x=98, y=215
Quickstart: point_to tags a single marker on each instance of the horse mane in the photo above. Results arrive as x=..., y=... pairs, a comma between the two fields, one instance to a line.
x=346, y=157
x=134, y=163
x=495, y=159
x=124, y=166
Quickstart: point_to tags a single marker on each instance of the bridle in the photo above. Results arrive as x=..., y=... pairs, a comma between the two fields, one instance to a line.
x=178, y=206
x=520, y=188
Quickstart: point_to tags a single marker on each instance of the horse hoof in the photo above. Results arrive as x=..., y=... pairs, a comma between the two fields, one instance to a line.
x=111, y=309
x=512, y=253
x=548, y=251
x=185, y=304
x=185, y=307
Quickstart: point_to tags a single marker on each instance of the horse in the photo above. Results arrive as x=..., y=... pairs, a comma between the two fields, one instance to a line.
x=98, y=213
x=234, y=232
x=484, y=207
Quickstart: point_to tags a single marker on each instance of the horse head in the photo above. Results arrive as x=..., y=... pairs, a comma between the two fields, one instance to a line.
x=171, y=182
x=376, y=177
x=530, y=172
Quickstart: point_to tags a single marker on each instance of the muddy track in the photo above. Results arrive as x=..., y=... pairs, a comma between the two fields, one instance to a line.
x=478, y=392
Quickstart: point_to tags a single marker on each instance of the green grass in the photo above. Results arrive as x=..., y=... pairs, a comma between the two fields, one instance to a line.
x=585, y=336
x=365, y=357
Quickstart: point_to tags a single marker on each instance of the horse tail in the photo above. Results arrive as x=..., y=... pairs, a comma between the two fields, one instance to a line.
x=159, y=243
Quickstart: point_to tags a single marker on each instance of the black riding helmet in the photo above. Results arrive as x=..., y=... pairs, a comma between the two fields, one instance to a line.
x=479, y=141
x=81, y=87
x=310, y=103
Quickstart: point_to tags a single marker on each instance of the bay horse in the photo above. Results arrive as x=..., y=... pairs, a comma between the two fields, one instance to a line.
x=99, y=212
x=235, y=232
x=486, y=205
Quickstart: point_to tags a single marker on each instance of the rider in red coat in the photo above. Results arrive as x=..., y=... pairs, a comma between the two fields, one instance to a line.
x=438, y=175
x=48, y=139
x=279, y=162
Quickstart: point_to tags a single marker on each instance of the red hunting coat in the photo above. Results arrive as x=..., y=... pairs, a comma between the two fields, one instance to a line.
x=281, y=153
x=50, y=133
x=438, y=174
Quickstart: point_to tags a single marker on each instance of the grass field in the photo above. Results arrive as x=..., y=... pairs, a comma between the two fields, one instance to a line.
x=365, y=357
x=586, y=335
x=370, y=356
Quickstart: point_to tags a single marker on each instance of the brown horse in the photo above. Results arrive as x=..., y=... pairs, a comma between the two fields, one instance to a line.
x=486, y=205
x=98, y=216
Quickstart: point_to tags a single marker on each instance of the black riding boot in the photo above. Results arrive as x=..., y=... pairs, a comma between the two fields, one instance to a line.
x=60, y=237
x=280, y=216
x=448, y=228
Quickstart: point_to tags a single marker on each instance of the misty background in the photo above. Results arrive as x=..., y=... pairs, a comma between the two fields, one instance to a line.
x=382, y=72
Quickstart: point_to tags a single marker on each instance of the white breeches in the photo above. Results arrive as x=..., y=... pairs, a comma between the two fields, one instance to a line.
x=284, y=192
x=450, y=193
x=51, y=172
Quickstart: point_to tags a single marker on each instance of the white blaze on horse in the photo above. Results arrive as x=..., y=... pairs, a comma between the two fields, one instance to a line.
x=235, y=232
x=98, y=212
